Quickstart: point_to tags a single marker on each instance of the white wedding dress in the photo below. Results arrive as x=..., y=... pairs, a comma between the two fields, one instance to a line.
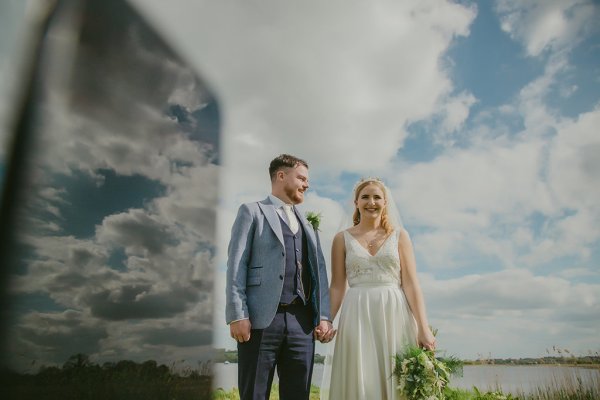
x=375, y=323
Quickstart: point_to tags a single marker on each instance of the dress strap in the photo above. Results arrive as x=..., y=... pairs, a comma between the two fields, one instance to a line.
x=347, y=239
x=397, y=233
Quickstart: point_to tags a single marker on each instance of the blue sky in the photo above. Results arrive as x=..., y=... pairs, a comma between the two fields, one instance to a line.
x=480, y=116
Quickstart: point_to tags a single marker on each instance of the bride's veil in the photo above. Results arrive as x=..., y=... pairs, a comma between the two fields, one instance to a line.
x=394, y=219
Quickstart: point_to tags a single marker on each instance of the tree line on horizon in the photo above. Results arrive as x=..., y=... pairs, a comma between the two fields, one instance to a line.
x=80, y=378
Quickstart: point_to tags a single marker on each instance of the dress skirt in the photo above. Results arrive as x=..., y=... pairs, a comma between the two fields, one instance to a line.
x=375, y=324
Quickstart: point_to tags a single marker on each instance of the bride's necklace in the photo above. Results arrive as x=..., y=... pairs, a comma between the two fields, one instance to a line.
x=373, y=243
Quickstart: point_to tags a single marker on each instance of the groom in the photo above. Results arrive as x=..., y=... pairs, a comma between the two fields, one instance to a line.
x=277, y=290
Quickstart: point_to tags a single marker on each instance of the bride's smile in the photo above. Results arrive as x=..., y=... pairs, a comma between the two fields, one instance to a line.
x=371, y=201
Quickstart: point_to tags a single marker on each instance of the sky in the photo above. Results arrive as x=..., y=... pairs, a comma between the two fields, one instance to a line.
x=481, y=117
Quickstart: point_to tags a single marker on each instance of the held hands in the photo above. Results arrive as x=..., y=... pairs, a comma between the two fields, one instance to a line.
x=324, y=332
x=426, y=339
x=240, y=330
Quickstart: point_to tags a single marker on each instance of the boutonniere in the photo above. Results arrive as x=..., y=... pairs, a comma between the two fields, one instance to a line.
x=314, y=219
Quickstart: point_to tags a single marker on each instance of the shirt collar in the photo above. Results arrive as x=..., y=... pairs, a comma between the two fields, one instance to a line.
x=276, y=201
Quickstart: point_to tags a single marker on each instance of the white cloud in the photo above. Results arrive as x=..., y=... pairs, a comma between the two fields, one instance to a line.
x=579, y=272
x=447, y=245
x=191, y=201
x=476, y=313
x=463, y=189
x=568, y=91
x=574, y=166
x=491, y=190
x=333, y=216
x=159, y=291
x=547, y=25
x=136, y=231
x=351, y=74
x=502, y=176
x=456, y=111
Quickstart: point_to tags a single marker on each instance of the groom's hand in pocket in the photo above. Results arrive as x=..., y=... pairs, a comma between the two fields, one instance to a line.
x=240, y=330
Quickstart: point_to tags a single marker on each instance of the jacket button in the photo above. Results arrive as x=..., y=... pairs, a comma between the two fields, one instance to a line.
x=281, y=277
x=283, y=253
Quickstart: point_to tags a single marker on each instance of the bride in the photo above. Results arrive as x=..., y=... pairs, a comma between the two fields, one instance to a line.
x=383, y=311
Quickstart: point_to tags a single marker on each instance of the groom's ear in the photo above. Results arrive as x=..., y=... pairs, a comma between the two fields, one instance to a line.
x=279, y=175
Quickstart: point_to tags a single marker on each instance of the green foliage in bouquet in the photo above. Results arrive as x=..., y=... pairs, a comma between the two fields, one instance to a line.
x=422, y=376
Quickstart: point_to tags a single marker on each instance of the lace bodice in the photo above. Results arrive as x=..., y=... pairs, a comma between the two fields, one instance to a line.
x=363, y=268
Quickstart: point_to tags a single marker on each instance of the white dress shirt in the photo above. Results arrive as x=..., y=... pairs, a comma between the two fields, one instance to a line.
x=278, y=204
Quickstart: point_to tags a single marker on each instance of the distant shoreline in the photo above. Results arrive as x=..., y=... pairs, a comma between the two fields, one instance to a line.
x=587, y=366
x=592, y=362
x=222, y=355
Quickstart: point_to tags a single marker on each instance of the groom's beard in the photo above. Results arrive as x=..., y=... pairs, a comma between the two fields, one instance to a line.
x=294, y=195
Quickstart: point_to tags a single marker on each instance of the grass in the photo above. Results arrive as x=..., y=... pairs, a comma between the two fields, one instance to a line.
x=569, y=391
x=233, y=394
x=579, y=393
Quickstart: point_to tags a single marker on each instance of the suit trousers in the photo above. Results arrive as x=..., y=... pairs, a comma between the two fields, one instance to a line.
x=288, y=344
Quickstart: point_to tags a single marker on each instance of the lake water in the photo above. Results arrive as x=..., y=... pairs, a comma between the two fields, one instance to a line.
x=510, y=379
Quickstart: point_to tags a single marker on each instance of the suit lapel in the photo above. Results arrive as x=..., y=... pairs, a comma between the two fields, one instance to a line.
x=311, y=241
x=272, y=218
x=309, y=231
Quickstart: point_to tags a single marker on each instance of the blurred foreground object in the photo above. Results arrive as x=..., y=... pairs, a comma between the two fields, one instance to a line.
x=107, y=230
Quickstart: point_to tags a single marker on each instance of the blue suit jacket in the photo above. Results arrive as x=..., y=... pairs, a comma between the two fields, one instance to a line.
x=256, y=266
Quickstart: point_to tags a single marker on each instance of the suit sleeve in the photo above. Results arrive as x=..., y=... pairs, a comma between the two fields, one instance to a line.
x=323, y=283
x=238, y=258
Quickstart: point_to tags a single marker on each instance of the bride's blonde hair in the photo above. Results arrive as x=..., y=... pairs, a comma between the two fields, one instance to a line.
x=363, y=183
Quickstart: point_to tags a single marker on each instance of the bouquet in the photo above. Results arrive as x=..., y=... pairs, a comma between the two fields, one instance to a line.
x=422, y=376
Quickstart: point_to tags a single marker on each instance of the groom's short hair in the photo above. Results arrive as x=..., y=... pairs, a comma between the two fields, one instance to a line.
x=284, y=161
